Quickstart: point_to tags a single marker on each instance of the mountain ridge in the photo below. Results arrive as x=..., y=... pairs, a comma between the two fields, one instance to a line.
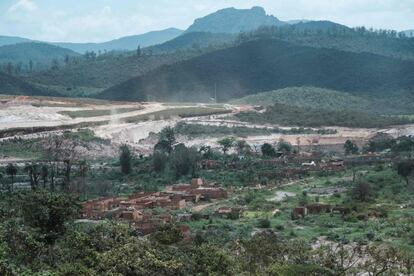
x=232, y=20
x=125, y=43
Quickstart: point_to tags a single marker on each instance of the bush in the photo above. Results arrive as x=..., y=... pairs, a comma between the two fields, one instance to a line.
x=263, y=223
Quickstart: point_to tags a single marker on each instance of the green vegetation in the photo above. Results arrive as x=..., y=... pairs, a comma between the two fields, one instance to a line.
x=326, y=99
x=40, y=227
x=309, y=117
x=11, y=85
x=97, y=112
x=101, y=71
x=200, y=42
x=19, y=148
x=32, y=56
x=325, y=34
x=125, y=160
x=266, y=65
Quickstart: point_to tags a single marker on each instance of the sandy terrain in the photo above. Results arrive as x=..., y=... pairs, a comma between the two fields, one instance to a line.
x=22, y=112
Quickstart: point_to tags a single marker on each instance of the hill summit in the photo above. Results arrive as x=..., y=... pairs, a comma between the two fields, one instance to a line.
x=232, y=20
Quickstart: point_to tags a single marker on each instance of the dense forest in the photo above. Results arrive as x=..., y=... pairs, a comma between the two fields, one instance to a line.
x=264, y=65
x=325, y=34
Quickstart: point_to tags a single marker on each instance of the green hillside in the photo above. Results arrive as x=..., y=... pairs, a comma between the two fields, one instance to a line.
x=193, y=41
x=325, y=34
x=286, y=115
x=264, y=65
x=10, y=40
x=101, y=72
x=14, y=86
x=40, y=54
x=320, y=98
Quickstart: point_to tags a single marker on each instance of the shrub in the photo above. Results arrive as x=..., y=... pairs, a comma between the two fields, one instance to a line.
x=263, y=223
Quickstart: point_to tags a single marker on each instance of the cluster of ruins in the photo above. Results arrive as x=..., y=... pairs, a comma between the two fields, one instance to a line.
x=132, y=209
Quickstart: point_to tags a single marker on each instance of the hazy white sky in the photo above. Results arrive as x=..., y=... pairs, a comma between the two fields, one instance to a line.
x=100, y=20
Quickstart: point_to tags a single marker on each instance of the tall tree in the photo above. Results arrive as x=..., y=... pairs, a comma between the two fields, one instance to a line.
x=166, y=141
x=406, y=169
x=268, y=150
x=350, y=147
x=11, y=170
x=226, y=144
x=44, y=175
x=34, y=172
x=125, y=159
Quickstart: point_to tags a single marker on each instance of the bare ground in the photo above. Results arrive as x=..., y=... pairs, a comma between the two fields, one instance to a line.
x=26, y=112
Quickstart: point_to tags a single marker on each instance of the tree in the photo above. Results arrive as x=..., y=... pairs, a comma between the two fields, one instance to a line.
x=9, y=68
x=30, y=65
x=350, y=147
x=83, y=171
x=55, y=64
x=159, y=160
x=11, y=170
x=284, y=147
x=338, y=257
x=268, y=150
x=406, y=169
x=226, y=144
x=243, y=147
x=139, y=52
x=62, y=150
x=44, y=175
x=184, y=160
x=125, y=159
x=166, y=140
x=362, y=191
x=34, y=172
x=49, y=212
x=1, y=179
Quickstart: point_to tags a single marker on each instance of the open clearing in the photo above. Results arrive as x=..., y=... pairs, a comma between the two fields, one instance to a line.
x=133, y=123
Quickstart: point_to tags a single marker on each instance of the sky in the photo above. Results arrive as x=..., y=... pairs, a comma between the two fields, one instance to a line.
x=102, y=20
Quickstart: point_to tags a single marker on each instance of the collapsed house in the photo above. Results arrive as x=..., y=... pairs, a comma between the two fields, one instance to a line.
x=318, y=208
x=131, y=209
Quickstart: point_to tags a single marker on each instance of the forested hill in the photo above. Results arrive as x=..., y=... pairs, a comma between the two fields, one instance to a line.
x=104, y=71
x=14, y=86
x=264, y=65
x=326, y=99
x=325, y=34
x=10, y=40
x=40, y=55
x=193, y=41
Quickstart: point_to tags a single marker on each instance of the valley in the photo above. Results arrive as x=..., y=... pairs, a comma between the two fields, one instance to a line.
x=240, y=144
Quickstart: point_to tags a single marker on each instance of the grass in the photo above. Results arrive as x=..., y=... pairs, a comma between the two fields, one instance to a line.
x=97, y=112
x=24, y=149
x=311, y=117
x=320, y=98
